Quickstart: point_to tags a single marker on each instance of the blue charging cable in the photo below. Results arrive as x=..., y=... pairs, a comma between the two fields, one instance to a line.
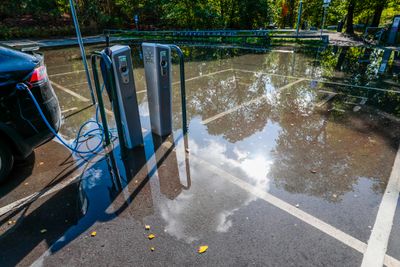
x=99, y=131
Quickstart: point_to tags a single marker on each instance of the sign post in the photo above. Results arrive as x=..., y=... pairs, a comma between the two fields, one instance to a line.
x=299, y=17
x=325, y=6
x=136, y=19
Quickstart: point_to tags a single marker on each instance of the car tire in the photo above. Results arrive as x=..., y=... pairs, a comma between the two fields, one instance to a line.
x=6, y=161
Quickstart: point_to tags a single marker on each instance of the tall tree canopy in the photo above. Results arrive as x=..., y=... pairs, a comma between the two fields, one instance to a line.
x=196, y=14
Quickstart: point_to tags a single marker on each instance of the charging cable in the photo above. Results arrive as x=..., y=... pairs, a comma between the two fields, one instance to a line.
x=99, y=131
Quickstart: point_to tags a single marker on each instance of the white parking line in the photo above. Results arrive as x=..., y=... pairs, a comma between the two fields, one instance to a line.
x=68, y=91
x=379, y=239
x=328, y=98
x=47, y=191
x=255, y=100
x=321, y=81
x=296, y=212
x=67, y=73
x=69, y=109
x=202, y=76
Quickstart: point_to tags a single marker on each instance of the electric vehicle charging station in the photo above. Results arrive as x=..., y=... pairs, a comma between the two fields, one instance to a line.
x=126, y=95
x=157, y=67
x=116, y=69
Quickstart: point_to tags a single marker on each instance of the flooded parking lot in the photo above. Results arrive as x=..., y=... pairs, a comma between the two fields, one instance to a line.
x=288, y=161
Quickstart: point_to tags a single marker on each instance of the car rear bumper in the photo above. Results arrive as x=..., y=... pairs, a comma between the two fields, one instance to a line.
x=31, y=130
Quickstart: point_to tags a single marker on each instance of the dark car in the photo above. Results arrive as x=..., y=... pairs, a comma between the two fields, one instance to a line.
x=22, y=129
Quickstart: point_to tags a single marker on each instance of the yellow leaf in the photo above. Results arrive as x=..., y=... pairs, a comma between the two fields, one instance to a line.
x=152, y=249
x=93, y=234
x=147, y=227
x=202, y=249
x=151, y=236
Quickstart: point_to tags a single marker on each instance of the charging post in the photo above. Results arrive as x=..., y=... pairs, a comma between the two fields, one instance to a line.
x=158, y=72
x=117, y=71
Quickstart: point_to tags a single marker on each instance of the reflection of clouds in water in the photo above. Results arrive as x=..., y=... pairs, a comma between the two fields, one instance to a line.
x=210, y=203
x=223, y=221
x=144, y=108
x=92, y=178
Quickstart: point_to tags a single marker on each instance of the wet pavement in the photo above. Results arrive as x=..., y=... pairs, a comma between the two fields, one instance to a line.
x=286, y=162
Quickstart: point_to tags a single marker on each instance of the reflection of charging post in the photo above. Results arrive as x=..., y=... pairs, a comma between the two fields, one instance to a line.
x=158, y=72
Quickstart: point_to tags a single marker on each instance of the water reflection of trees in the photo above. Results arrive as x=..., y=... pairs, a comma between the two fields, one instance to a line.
x=333, y=144
x=337, y=148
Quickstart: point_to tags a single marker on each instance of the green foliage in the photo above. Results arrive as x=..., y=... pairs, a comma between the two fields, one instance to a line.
x=25, y=16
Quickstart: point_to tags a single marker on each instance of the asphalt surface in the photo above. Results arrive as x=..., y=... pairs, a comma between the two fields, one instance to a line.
x=286, y=164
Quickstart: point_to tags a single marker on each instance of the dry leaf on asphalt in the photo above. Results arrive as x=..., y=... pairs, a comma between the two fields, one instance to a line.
x=202, y=249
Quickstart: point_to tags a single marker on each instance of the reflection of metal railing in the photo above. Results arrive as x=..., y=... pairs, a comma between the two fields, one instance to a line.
x=203, y=35
x=376, y=34
x=183, y=86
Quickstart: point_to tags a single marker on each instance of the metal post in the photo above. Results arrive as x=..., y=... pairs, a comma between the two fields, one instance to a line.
x=183, y=87
x=83, y=54
x=136, y=18
x=323, y=21
x=299, y=17
x=100, y=102
x=107, y=40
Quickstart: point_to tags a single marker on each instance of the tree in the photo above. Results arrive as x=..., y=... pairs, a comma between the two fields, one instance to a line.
x=350, y=16
x=379, y=6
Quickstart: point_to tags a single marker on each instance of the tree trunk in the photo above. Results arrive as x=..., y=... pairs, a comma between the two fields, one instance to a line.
x=377, y=13
x=341, y=58
x=350, y=15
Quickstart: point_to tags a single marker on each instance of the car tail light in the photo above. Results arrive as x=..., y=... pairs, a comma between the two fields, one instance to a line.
x=39, y=74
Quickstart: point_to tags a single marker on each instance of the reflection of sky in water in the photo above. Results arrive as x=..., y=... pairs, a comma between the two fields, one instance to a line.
x=190, y=214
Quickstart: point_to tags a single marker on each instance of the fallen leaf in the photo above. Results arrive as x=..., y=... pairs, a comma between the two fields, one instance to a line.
x=202, y=249
x=93, y=234
x=151, y=236
x=152, y=249
x=43, y=231
x=147, y=227
x=313, y=171
x=41, y=163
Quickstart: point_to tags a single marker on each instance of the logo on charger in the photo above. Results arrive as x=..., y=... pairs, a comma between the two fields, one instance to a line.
x=148, y=56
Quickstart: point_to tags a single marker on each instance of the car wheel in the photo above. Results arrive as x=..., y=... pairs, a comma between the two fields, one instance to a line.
x=6, y=160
